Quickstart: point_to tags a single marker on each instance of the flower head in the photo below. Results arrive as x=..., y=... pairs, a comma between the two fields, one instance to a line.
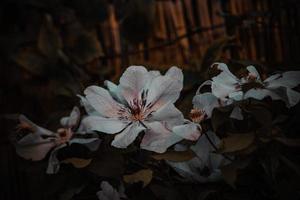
x=143, y=101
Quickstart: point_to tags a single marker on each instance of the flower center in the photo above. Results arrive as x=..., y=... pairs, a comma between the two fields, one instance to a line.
x=197, y=115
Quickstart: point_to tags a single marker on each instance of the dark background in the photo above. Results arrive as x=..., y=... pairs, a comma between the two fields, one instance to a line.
x=50, y=50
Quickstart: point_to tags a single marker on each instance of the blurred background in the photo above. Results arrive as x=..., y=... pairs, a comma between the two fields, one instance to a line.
x=50, y=50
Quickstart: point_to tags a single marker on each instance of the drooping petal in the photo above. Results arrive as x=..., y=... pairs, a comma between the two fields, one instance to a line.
x=107, y=192
x=53, y=162
x=190, y=131
x=35, y=151
x=204, y=150
x=158, y=138
x=253, y=72
x=128, y=135
x=293, y=97
x=35, y=145
x=72, y=120
x=102, y=101
x=102, y=124
x=167, y=113
x=288, y=79
x=236, y=113
x=133, y=81
x=163, y=90
x=207, y=102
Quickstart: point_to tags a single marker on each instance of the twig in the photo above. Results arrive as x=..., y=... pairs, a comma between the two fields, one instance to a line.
x=216, y=148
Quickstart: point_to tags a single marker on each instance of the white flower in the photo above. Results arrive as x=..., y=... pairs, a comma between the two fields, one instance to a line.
x=143, y=101
x=279, y=86
x=39, y=141
x=107, y=192
x=205, y=167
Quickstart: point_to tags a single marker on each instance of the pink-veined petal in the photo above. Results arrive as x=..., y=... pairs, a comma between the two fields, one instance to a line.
x=101, y=100
x=133, y=81
x=190, y=131
x=34, y=146
x=102, y=124
x=163, y=90
x=158, y=138
x=127, y=136
x=169, y=114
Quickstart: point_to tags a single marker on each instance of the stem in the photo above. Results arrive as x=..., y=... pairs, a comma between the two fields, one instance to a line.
x=216, y=148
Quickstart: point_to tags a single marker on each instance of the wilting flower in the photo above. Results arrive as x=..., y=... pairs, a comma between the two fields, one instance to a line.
x=143, y=101
x=279, y=86
x=205, y=167
x=39, y=141
x=107, y=192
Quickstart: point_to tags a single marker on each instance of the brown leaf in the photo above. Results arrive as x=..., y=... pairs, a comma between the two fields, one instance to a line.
x=175, y=156
x=144, y=175
x=78, y=162
x=236, y=142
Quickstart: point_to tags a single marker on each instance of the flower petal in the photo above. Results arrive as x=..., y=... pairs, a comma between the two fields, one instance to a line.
x=225, y=77
x=260, y=94
x=203, y=148
x=163, y=90
x=127, y=136
x=106, y=125
x=169, y=114
x=87, y=106
x=236, y=113
x=133, y=81
x=107, y=192
x=175, y=73
x=115, y=91
x=72, y=120
x=207, y=102
x=158, y=138
x=288, y=79
x=34, y=146
x=252, y=71
x=205, y=83
x=53, y=162
x=222, y=91
x=190, y=131
x=102, y=101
